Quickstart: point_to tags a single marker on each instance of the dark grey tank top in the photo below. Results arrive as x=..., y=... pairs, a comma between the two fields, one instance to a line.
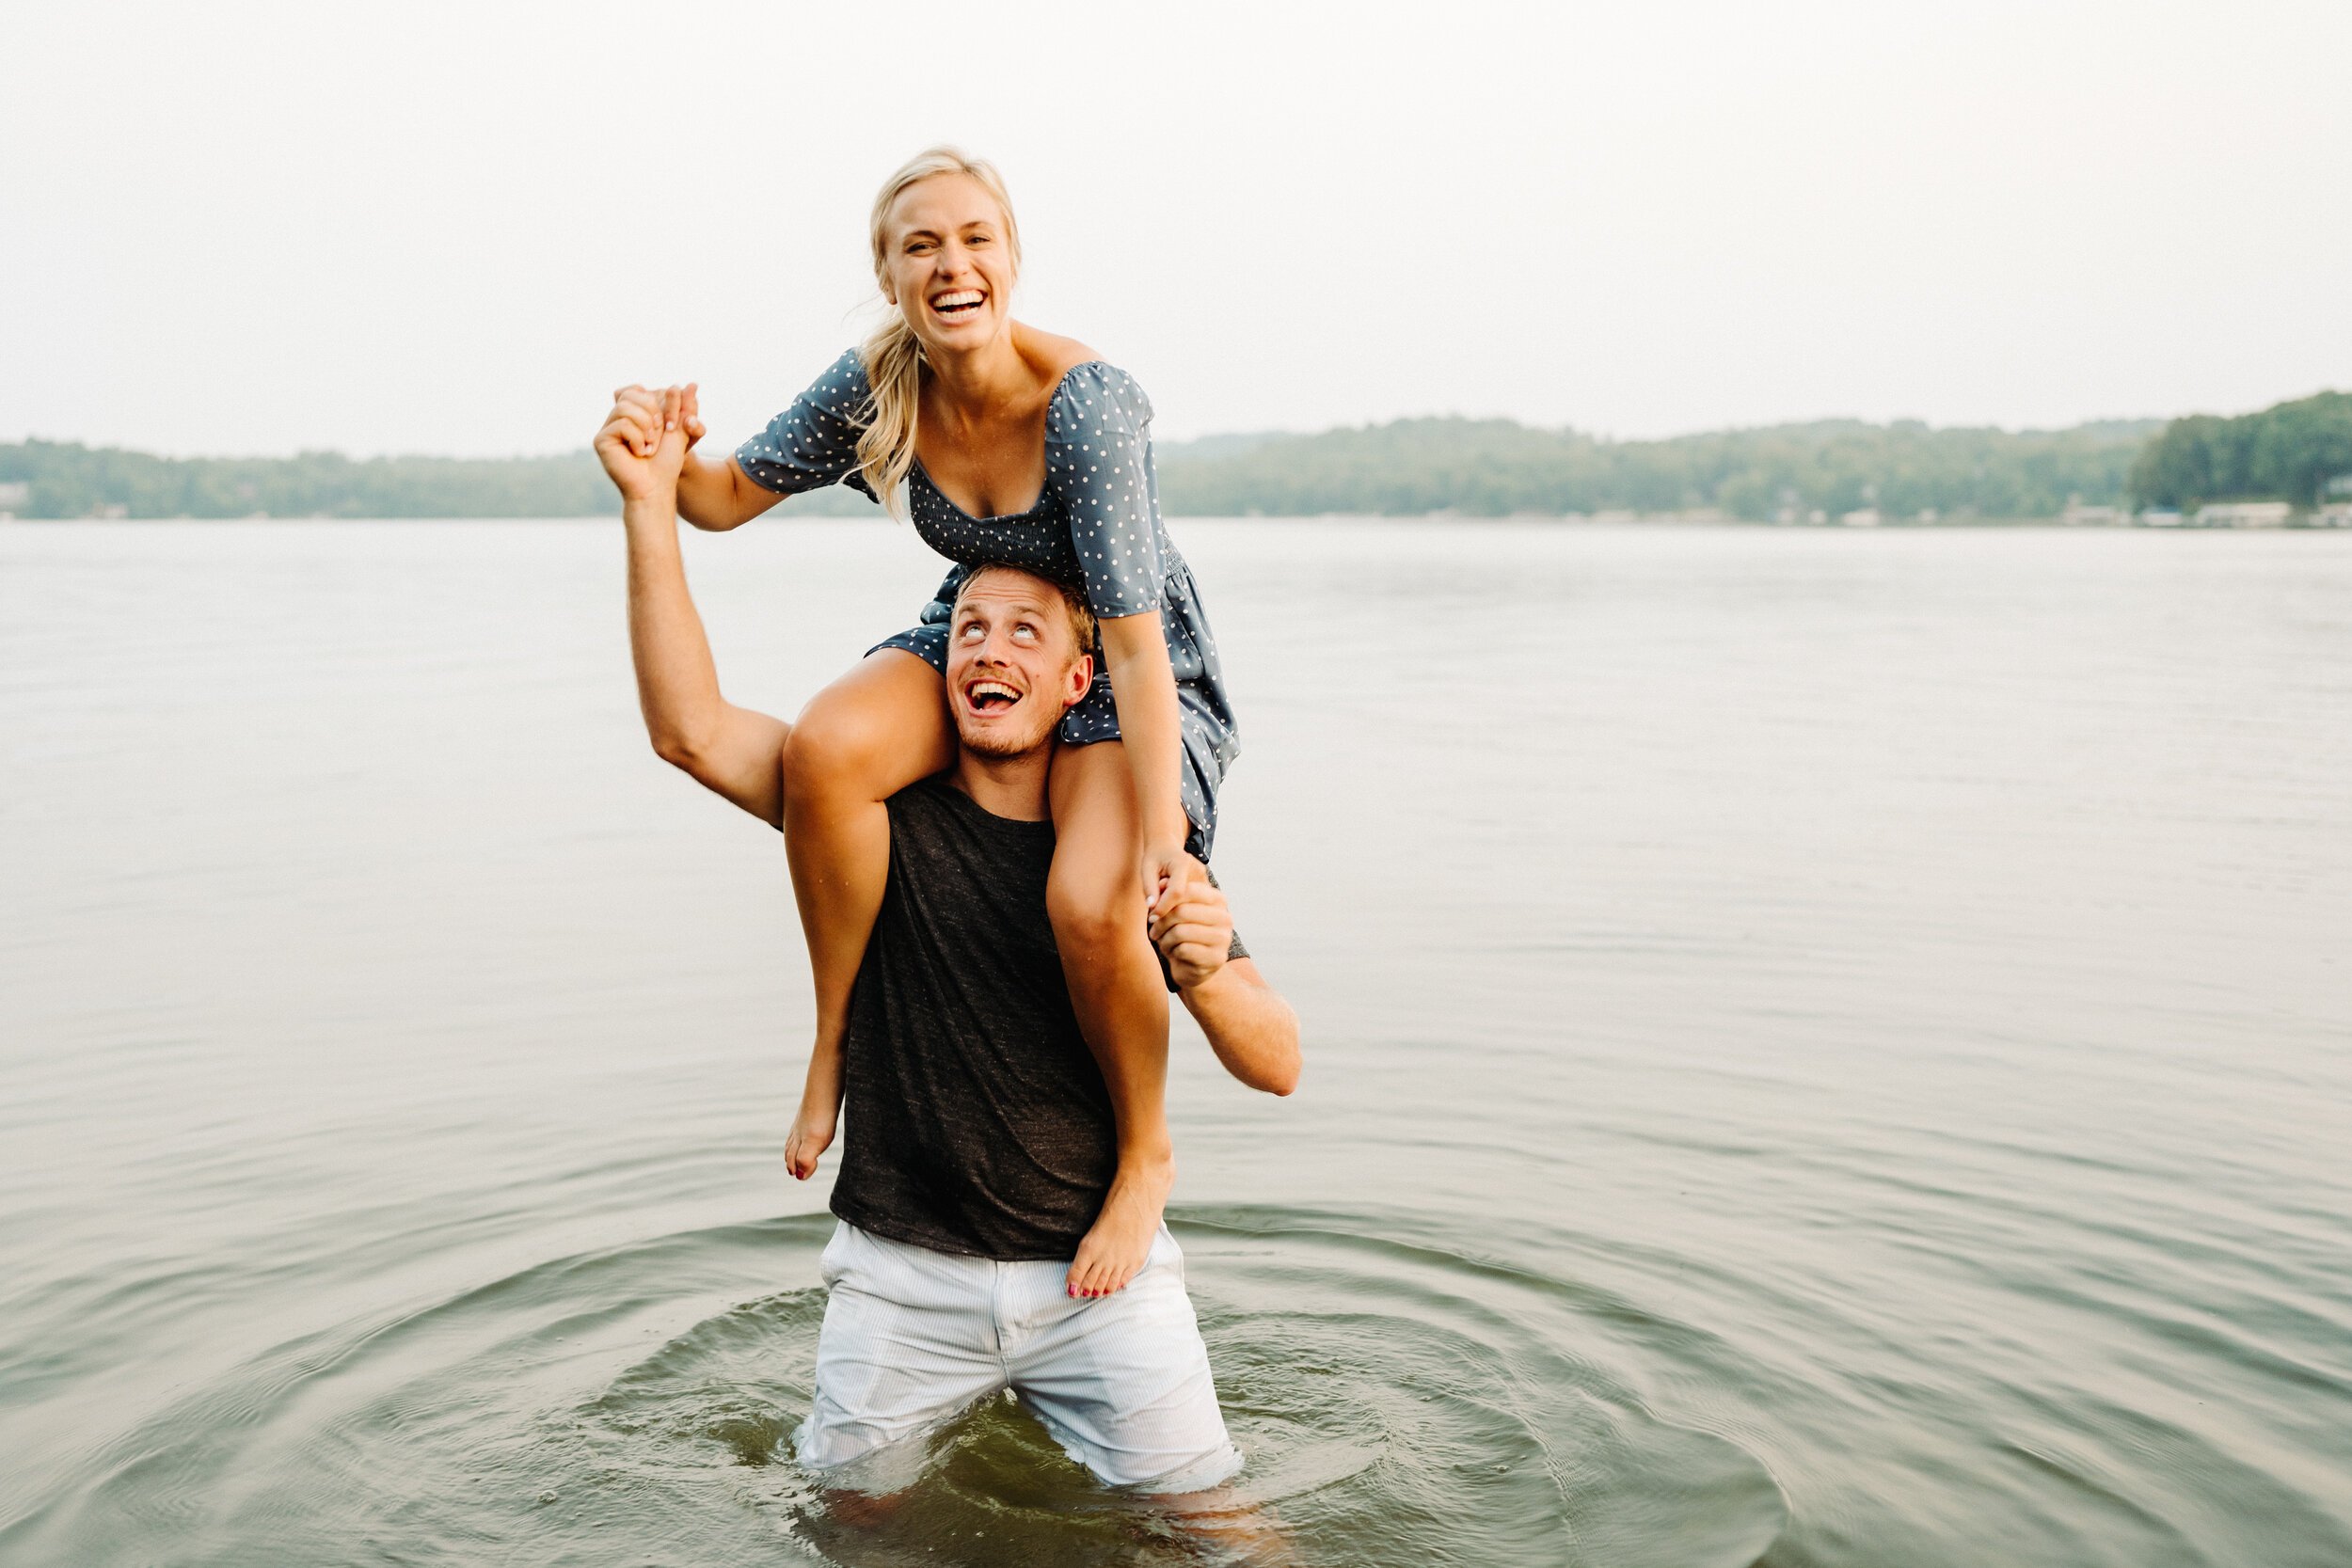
x=977, y=1121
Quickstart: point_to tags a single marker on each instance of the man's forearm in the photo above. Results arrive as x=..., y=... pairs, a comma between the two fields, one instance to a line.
x=1251, y=1029
x=678, y=685
x=731, y=750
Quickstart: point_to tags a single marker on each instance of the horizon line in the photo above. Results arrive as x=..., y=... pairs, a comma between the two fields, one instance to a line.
x=1600, y=436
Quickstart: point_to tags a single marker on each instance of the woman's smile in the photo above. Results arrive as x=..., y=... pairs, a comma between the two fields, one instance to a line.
x=958, y=303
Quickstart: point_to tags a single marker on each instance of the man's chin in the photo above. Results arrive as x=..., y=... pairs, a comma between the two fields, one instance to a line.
x=1001, y=741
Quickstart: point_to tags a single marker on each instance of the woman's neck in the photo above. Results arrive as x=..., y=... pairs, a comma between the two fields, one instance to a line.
x=984, y=377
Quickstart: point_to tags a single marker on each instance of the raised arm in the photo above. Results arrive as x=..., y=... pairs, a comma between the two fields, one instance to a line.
x=730, y=749
x=1251, y=1029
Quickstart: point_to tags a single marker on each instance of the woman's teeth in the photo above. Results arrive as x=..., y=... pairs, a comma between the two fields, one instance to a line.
x=958, y=303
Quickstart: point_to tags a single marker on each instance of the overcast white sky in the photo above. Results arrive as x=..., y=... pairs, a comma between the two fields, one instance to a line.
x=244, y=228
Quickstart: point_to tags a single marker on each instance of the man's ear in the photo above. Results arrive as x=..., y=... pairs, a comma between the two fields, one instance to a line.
x=1081, y=679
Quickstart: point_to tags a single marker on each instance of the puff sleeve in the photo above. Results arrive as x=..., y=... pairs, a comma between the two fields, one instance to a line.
x=813, y=443
x=1097, y=461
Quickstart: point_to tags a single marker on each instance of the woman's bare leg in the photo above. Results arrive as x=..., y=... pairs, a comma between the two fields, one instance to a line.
x=861, y=741
x=1095, y=897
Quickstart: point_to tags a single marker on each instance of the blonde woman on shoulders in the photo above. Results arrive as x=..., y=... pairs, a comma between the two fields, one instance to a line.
x=1002, y=444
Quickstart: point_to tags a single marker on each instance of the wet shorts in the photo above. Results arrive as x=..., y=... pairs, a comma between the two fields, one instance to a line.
x=913, y=1336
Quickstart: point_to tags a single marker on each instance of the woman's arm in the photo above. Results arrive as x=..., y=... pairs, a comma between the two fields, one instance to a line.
x=1143, y=685
x=716, y=497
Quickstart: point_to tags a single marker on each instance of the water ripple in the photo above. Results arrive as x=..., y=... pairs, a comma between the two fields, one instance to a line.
x=1399, y=1403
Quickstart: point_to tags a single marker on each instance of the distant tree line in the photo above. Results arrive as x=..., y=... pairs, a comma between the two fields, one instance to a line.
x=1478, y=468
x=1494, y=468
x=70, y=480
x=2290, y=453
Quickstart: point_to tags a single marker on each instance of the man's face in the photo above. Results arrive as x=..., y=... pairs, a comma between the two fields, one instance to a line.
x=1013, y=663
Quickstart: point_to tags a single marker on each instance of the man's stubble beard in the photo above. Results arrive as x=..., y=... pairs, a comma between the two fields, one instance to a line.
x=1002, y=747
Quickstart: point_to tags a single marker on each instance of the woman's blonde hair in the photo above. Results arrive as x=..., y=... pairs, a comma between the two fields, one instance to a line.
x=894, y=355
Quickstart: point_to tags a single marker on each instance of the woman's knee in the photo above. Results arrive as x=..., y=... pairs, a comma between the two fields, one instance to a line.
x=853, y=743
x=830, y=747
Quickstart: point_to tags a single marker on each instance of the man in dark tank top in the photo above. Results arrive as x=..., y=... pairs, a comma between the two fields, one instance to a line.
x=980, y=1140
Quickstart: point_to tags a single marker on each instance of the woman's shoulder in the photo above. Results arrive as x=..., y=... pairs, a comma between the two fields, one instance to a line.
x=1093, y=393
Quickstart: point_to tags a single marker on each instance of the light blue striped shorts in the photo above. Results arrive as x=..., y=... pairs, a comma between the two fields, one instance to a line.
x=913, y=1336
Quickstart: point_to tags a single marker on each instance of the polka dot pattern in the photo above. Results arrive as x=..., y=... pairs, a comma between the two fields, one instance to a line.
x=1097, y=526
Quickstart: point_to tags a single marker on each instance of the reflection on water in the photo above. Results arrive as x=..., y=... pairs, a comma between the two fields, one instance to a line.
x=1822, y=1050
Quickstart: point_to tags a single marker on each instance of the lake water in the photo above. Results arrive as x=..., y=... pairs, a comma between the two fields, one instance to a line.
x=1824, y=1048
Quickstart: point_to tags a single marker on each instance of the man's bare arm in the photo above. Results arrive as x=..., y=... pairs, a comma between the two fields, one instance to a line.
x=1251, y=1029
x=730, y=749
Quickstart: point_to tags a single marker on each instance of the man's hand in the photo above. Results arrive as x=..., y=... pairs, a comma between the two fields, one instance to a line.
x=812, y=1135
x=634, y=441
x=1246, y=1023
x=1192, y=927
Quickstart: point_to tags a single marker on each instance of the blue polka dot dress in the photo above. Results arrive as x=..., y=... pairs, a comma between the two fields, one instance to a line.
x=1096, y=526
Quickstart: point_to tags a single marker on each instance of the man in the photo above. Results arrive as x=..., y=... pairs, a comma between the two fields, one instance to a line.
x=980, y=1136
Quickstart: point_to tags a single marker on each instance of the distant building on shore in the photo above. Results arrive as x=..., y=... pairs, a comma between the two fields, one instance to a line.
x=2334, y=515
x=2079, y=516
x=14, y=494
x=2244, y=514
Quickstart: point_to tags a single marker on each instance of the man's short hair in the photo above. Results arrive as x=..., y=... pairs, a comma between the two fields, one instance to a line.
x=1082, y=622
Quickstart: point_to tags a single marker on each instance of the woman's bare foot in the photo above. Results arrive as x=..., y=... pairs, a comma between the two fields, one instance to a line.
x=1114, y=1251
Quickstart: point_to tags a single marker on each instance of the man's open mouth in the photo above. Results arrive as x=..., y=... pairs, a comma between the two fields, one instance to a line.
x=959, y=302
x=990, y=696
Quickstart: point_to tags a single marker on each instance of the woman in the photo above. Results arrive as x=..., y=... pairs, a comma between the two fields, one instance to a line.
x=1008, y=444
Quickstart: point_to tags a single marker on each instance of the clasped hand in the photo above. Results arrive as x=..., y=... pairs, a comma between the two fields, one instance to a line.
x=644, y=441
x=1191, y=924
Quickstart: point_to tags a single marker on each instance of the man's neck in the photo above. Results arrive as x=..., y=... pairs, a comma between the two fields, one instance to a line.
x=1006, y=787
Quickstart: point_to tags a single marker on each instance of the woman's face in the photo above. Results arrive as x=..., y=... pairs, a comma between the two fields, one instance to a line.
x=945, y=263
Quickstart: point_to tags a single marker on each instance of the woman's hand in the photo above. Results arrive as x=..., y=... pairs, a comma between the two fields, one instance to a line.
x=1169, y=874
x=631, y=444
